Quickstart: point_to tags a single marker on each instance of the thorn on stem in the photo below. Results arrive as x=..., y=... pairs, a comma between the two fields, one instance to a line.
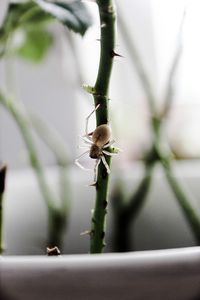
x=93, y=184
x=103, y=25
x=105, y=203
x=113, y=54
x=97, y=186
x=102, y=235
x=3, y=170
x=86, y=232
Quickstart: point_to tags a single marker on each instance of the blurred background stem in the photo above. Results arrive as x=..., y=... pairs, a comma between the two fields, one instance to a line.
x=126, y=213
x=56, y=215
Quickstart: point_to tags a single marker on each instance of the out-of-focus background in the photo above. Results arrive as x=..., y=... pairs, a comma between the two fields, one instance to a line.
x=53, y=87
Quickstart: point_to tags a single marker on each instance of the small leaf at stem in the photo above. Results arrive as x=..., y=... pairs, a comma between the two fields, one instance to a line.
x=89, y=89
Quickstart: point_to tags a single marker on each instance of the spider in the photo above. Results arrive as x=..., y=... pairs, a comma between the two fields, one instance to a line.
x=97, y=141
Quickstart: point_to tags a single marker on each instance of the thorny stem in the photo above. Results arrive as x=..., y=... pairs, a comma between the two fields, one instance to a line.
x=16, y=109
x=2, y=189
x=107, y=21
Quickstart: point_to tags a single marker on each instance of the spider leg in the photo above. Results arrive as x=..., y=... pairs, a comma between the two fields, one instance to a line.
x=105, y=164
x=83, y=147
x=86, y=140
x=109, y=144
x=109, y=153
x=87, y=120
x=96, y=169
x=79, y=164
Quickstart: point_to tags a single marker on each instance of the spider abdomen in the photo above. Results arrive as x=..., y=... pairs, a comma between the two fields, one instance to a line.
x=95, y=152
x=101, y=135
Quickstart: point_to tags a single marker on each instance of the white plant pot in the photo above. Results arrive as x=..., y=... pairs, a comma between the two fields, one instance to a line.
x=157, y=275
x=170, y=274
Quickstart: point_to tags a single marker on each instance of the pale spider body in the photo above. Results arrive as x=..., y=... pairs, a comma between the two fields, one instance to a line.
x=98, y=141
x=101, y=135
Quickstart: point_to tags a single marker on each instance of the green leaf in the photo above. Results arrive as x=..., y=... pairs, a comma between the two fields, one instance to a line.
x=35, y=16
x=32, y=15
x=36, y=44
x=23, y=14
x=74, y=15
x=89, y=89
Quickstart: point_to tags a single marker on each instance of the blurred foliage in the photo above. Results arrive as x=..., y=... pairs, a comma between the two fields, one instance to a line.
x=31, y=19
x=74, y=15
x=36, y=44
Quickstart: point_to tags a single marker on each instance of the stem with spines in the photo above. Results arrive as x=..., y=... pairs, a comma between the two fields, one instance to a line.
x=107, y=40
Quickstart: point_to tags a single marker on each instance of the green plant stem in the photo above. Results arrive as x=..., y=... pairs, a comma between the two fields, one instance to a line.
x=16, y=109
x=138, y=198
x=156, y=125
x=183, y=199
x=107, y=21
x=3, y=170
x=126, y=213
x=57, y=221
x=57, y=145
x=58, y=218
